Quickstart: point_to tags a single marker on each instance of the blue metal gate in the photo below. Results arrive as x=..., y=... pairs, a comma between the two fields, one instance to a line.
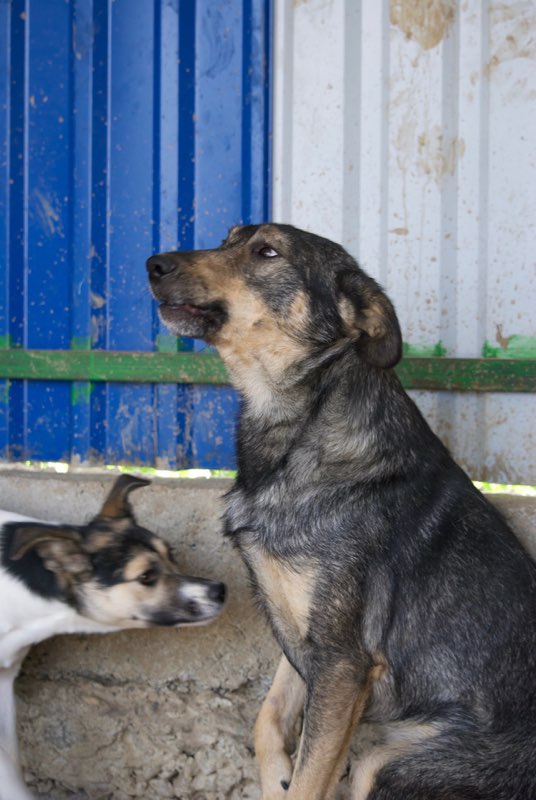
x=126, y=127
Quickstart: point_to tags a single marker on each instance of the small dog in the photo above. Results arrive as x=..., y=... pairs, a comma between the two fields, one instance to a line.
x=105, y=576
x=398, y=594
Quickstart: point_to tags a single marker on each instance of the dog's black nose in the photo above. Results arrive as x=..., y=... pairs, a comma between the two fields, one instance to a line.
x=217, y=592
x=160, y=265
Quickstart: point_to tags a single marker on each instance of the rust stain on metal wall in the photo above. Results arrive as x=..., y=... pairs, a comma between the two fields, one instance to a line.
x=500, y=338
x=438, y=155
x=513, y=25
x=46, y=208
x=427, y=22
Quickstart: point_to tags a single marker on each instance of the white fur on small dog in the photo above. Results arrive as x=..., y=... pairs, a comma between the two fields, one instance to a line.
x=25, y=619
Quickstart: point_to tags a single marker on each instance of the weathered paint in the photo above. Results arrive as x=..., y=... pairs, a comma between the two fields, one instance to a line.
x=116, y=366
x=80, y=393
x=512, y=347
x=126, y=128
x=404, y=131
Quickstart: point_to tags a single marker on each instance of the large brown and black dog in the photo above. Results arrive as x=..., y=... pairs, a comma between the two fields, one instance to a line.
x=398, y=594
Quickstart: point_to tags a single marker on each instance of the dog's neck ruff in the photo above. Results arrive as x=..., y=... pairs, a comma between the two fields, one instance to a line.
x=285, y=400
x=337, y=420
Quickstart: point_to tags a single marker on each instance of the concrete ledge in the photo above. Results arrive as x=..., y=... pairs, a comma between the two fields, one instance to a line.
x=155, y=714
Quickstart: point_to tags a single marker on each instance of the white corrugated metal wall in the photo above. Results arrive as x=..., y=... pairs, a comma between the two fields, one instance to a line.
x=407, y=131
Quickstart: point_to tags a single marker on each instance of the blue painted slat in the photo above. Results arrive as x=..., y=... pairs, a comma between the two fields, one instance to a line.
x=49, y=235
x=130, y=409
x=17, y=254
x=81, y=66
x=99, y=212
x=170, y=444
x=128, y=126
x=4, y=215
x=256, y=116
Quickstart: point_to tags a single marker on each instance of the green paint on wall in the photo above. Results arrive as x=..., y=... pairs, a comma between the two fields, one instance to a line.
x=5, y=341
x=516, y=347
x=423, y=350
x=81, y=343
x=81, y=393
x=4, y=391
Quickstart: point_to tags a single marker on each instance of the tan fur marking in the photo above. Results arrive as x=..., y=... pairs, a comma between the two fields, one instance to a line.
x=161, y=548
x=124, y=601
x=256, y=346
x=119, y=525
x=98, y=541
x=374, y=320
x=299, y=313
x=233, y=231
x=371, y=319
x=288, y=591
x=137, y=566
x=347, y=312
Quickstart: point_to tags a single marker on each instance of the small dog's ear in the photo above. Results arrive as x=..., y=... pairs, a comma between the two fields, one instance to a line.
x=116, y=505
x=60, y=548
x=368, y=317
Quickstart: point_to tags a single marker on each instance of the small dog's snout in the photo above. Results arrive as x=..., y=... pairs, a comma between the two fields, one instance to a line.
x=217, y=593
x=160, y=265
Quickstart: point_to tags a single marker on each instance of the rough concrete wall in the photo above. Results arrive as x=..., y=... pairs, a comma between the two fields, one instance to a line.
x=161, y=713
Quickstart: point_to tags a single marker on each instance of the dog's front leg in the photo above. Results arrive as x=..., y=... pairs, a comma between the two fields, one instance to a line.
x=8, y=717
x=275, y=731
x=334, y=703
x=11, y=784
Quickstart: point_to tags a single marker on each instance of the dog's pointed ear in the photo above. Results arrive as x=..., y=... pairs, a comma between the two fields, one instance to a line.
x=369, y=318
x=60, y=548
x=116, y=505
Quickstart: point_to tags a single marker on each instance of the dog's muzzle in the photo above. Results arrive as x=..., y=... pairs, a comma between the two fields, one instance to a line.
x=184, y=308
x=160, y=265
x=200, y=600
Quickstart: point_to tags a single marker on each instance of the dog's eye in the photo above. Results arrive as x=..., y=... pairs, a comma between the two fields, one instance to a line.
x=149, y=577
x=267, y=252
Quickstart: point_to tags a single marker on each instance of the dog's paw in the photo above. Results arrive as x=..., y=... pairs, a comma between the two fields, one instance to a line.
x=277, y=791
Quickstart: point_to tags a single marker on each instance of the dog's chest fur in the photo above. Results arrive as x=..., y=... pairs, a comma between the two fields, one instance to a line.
x=284, y=529
x=283, y=574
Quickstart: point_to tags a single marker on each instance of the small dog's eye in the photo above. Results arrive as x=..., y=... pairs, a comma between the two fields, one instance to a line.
x=268, y=252
x=148, y=578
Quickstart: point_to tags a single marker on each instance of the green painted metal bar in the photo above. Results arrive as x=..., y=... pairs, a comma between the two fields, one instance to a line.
x=433, y=373
x=469, y=374
x=104, y=365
